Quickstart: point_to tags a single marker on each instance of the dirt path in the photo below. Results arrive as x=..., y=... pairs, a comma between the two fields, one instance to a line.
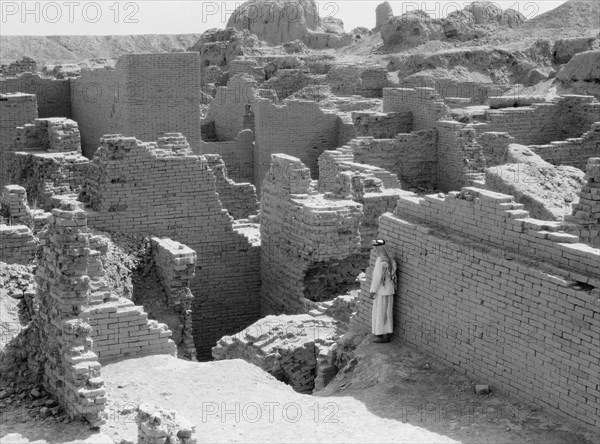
x=389, y=393
x=397, y=382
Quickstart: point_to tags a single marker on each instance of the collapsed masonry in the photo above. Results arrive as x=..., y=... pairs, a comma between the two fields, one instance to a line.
x=130, y=188
x=295, y=349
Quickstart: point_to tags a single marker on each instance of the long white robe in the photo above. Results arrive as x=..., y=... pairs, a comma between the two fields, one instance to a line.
x=382, y=285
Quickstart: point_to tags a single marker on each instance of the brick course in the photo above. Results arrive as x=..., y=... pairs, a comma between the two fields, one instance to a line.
x=473, y=292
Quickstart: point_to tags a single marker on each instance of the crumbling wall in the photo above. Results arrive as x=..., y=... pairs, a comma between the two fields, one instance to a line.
x=230, y=105
x=71, y=368
x=410, y=156
x=138, y=188
x=299, y=128
x=494, y=147
x=287, y=347
x=176, y=267
x=573, y=152
x=15, y=110
x=53, y=95
x=55, y=134
x=18, y=245
x=350, y=79
x=300, y=228
x=544, y=122
x=239, y=199
x=459, y=156
x=146, y=95
x=238, y=155
x=424, y=103
x=473, y=292
x=585, y=218
x=381, y=125
x=26, y=64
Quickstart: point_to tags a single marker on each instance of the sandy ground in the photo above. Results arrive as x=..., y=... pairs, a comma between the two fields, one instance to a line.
x=390, y=394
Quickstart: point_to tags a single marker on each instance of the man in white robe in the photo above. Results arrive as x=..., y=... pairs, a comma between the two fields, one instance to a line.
x=383, y=288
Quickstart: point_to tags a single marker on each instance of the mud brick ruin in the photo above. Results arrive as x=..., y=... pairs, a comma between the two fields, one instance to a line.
x=170, y=203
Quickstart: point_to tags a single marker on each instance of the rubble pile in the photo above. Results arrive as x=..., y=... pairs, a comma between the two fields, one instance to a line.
x=292, y=348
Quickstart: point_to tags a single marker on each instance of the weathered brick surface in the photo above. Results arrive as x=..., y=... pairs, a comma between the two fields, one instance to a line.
x=54, y=134
x=424, y=104
x=459, y=155
x=239, y=199
x=15, y=110
x=18, y=245
x=300, y=229
x=544, y=122
x=145, y=95
x=586, y=213
x=53, y=95
x=574, y=152
x=136, y=187
x=412, y=157
x=71, y=368
x=381, y=125
x=176, y=266
x=473, y=293
x=45, y=175
x=238, y=155
x=299, y=128
x=26, y=64
x=229, y=106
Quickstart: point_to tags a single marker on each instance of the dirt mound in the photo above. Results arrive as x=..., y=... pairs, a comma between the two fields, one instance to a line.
x=220, y=46
x=547, y=191
x=281, y=21
x=573, y=13
x=475, y=21
x=584, y=66
x=59, y=49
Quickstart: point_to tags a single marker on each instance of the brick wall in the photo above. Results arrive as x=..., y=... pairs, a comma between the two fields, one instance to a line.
x=299, y=128
x=542, y=123
x=238, y=155
x=176, y=266
x=239, y=199
x=424, y=104
x=96, y=107
x=53, y=95
x=15, y=110
x=459, y=156
x=585, y=218
x=229, y=106
x=18, y=245
x=473, y=292
x=573, y=152
x=146, y=95
x=380, y=125
x=135, y=187
x=301, y=229
x=55, y=134
x=411, y=156
x=45, y=175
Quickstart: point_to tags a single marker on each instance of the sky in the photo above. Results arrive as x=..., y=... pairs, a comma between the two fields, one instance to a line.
x=110, y=17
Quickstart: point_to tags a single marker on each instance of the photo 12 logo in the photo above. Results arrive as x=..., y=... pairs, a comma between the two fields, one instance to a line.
x=69, y=12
